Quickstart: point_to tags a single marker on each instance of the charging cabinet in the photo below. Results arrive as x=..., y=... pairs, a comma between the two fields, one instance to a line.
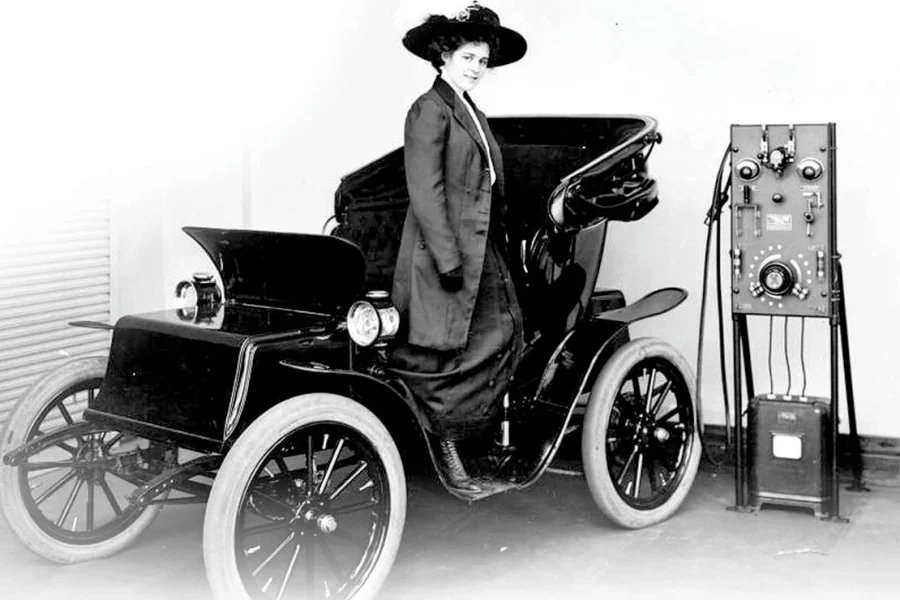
x=789, y=452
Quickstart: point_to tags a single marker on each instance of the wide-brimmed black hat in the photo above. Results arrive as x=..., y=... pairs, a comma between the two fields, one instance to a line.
x=473, y=19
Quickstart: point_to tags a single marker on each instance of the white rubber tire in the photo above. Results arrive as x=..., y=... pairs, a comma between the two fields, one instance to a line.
x=594, y=435
x=20, y=422
x=243, y=460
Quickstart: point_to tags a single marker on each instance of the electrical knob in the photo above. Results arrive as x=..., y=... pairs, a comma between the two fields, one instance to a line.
x=776, y=278
x=810, y=169
x=747, y=169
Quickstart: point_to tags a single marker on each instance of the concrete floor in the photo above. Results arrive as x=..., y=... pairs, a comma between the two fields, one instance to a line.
x=545, y=542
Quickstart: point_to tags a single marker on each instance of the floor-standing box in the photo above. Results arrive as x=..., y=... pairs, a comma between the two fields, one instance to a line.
x=789, y=452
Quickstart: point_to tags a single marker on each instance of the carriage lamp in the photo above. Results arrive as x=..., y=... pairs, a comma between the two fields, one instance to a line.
x=374, y=320
x=200, y=296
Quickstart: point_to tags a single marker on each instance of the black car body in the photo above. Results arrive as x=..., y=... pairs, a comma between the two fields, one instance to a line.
x=260, y=388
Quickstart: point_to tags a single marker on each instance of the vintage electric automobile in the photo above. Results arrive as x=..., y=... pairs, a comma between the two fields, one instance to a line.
x=270, y=393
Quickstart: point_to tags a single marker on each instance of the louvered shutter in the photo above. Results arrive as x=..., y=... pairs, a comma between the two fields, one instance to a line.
x=50, y=275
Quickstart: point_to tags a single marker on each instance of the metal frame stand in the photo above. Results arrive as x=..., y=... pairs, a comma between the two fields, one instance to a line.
x=839, y=336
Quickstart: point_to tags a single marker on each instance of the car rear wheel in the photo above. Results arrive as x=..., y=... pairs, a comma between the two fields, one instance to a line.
x=310, y=502
x=640, y=444
x=68, y=501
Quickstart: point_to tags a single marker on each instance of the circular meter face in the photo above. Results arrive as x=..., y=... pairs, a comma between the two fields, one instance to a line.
x=776, y=278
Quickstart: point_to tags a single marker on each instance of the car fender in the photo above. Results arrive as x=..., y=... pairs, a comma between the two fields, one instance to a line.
x=572, y=369
x=608, y=325
x=385, y=397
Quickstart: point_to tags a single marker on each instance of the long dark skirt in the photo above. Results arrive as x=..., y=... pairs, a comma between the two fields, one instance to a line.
x=461, y=390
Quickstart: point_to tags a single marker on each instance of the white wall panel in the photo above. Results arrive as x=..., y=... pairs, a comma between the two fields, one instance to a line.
x=52, y=271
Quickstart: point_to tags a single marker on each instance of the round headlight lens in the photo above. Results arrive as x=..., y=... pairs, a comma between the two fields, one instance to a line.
x=187, y=293
x=363, y=323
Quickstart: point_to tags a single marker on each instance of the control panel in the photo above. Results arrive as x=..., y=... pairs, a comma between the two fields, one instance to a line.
x=783, y=219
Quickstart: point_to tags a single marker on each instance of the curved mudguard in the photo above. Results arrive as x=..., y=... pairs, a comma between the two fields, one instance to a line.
x=387, y=399
x=571, y=369
x=655, y=303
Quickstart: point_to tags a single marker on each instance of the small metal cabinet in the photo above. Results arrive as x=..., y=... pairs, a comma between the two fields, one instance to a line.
x=790, y=451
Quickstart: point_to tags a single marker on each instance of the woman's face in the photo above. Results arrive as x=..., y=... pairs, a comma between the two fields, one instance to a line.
x=465, y=66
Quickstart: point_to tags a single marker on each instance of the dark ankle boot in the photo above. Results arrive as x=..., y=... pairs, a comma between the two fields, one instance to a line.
x=454, y=470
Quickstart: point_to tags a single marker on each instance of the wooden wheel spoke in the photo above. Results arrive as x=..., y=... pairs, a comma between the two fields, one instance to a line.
x=658, y=475
x=669, y=415
x=89, y=509
x=349, y=538
x=649, y=395
x=44, y=465
x=70, y=501
x=310, y=573
x=65, y=413
x=274, y=553
x=662, y=397
x=110, y=497
x=356, y=506
x=67, y=448
x=55, y=487
x=636, y=386
x=328, y=471
x=638, y=476
x=268, y=527
x=288, y=573
x=348, y=480
x=281, y=503
x=627, y=466
x=310, y=465
x=329, y=558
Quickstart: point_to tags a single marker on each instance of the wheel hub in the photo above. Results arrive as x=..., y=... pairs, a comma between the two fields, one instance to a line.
x=645, y=430
x=326, y=523
x=90, y=451
x=314, y=513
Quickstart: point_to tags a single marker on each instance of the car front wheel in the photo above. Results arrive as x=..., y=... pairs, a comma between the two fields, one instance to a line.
x=310, y=502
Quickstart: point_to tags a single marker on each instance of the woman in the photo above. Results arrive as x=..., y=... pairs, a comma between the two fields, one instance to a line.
x=451, y=284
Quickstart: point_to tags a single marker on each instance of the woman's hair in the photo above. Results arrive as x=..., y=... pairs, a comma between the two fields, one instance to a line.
x=450, y=42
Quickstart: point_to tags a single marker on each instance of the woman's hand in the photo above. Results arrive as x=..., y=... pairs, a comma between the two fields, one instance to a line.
x=452, y=281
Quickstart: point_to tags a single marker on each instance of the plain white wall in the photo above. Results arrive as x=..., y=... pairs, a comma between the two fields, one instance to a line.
x=247, y=115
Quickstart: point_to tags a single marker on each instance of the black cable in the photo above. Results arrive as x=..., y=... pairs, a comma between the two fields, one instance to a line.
x=787, y=358
x=771, y=381
x=719, y=199
x=722, y=370
x=803, y=352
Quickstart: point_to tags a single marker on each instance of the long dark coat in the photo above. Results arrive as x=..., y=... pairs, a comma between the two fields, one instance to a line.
x=462, y=348
x=449, y=184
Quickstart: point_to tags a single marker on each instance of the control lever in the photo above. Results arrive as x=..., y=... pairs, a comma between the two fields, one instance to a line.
x=813, y=202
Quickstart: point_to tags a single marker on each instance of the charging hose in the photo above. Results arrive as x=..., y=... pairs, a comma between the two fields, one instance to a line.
x=719, y=199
